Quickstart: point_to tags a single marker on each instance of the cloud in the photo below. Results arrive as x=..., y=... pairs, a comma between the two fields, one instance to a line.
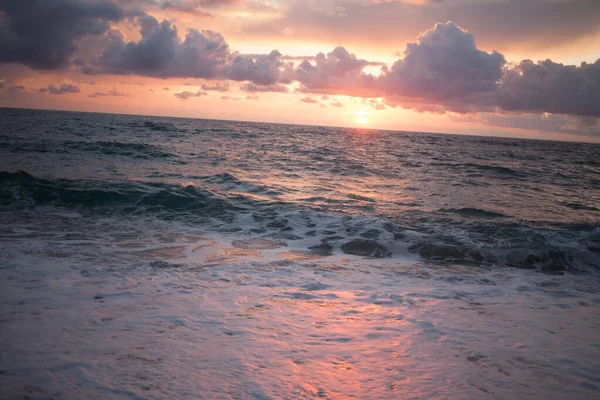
x=112, y=93
x=202, y=54
x=160, y=53
x=252, y=88
x=338, y=72
x=310, y=100
x=215, y=3
x=444, y=67
x=530, y=25
x=572, y=125
x=551, y=87
x=186, y=95
x=42, y=34
x=260, y=69
x=337, y=104
x=217, y=87
x=185, y=7
x=16, y=89
x=62, y=89
x=377, y=104
x=442, y=71
x=445, y=71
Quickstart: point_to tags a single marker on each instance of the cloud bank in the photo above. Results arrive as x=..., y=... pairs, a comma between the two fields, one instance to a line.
x=62, y=89
x=442, y=71
x=42, y=34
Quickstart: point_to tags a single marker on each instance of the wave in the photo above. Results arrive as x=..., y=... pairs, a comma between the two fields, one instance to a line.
x=473, y=212
x=495, y=169
x=488, y=240
x=134, y=150
x=232, y=183
x=21, y=189
x=154, y=126
x=579, y=206
x=548, y=257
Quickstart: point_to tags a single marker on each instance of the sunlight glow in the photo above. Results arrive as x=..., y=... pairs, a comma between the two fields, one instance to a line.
x=361, y=120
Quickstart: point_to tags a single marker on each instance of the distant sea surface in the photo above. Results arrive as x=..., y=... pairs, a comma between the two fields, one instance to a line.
x=481, y=201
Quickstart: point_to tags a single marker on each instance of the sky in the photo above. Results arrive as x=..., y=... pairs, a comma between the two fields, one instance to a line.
x=518, y=68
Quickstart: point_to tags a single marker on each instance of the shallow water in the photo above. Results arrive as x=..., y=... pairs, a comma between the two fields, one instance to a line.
x=175, y=258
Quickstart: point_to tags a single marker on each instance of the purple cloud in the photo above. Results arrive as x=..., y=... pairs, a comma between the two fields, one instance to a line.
x=62, y=89
x=252, y=88
x=444, y=67
x=552, y=88
x=42, y=34
x=160, y=53
x=186, y=95
x=113, y=93
x=217, y=87
x=338, y=72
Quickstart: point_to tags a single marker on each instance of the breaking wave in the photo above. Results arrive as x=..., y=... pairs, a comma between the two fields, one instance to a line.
x=488, y=242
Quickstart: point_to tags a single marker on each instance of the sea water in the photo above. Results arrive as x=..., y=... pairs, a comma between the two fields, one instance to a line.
x=149, y=257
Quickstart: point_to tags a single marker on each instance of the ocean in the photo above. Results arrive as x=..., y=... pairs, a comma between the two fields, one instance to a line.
x=151, y=257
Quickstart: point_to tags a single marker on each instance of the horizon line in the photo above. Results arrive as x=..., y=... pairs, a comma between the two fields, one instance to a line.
x=310, y=125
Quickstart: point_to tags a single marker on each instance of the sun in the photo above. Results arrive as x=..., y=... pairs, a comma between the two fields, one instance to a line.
x=361, y=120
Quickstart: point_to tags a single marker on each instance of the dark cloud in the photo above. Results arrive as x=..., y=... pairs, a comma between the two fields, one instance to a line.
x=62, y=89
x=195, y=4
x=444, y=70
x=218, y=3
x=252, y=88
x=444, y=67
x=314, y=58
x=572, y=125
x=260, y=70
x=337, y=72
x=205, y=54
x=42, y=34
x=160, y=53
x=551, y=87
x=111, y=93
x=16, y=89
x=187, y=7
x=186, y=95
x=217, y=87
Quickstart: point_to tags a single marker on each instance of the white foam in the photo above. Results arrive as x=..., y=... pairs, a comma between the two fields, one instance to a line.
x=157, y=310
